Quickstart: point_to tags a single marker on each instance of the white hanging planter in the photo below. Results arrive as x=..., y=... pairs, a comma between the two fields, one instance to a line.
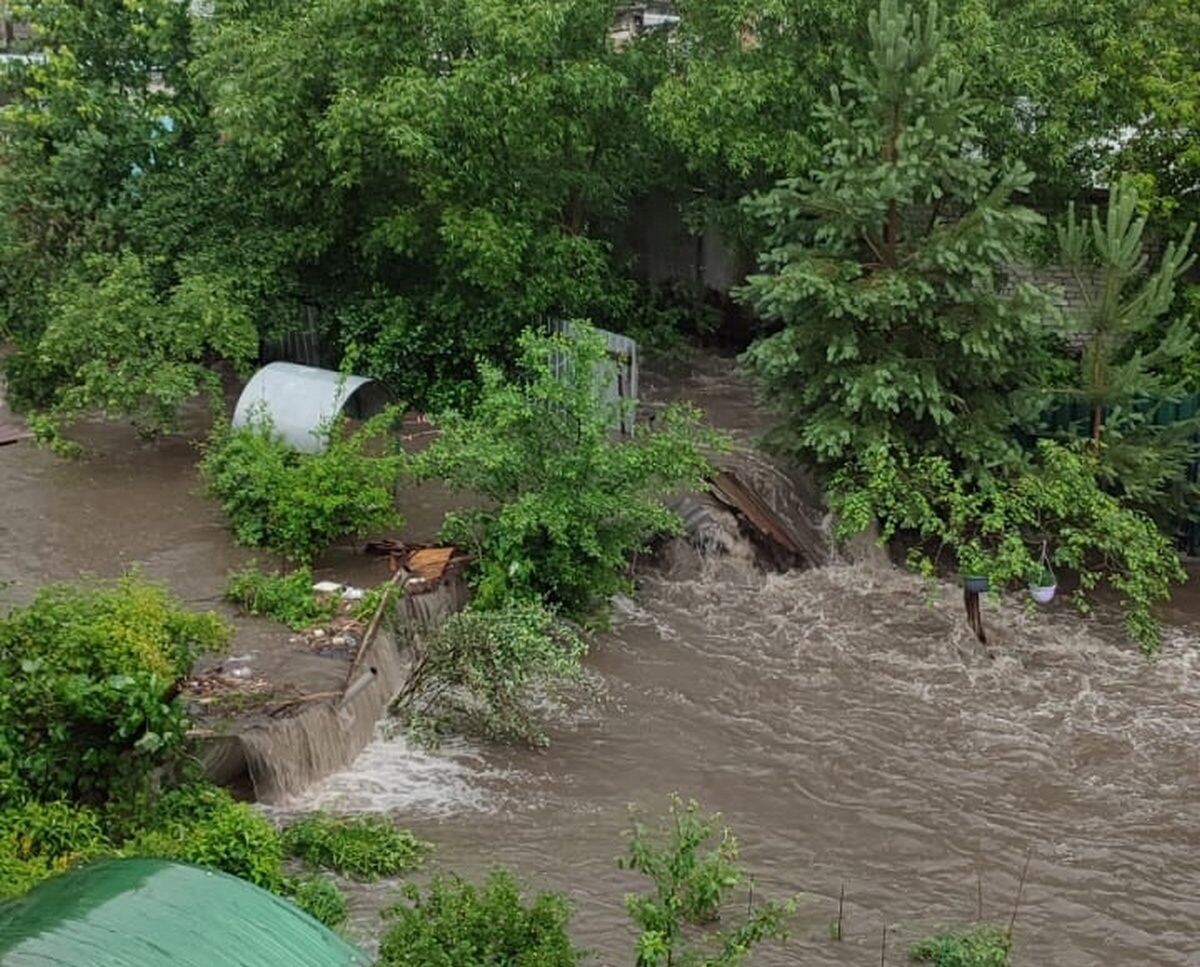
x=1043, y=587
x=1043, y=594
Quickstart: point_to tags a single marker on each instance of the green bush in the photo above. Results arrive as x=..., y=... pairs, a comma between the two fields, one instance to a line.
x=297, y=504
x=320, y=898
x=363, y=847
x=568, y=502
x=998, y=526
x=982, y=946
x=88, y=707
x=480, y=670
x=288, y=598
x=202, y=824
x=38, y=840
x=459, y=925
x=692, y=864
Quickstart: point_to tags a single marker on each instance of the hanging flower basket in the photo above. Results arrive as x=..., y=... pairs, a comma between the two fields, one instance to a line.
x=975, y=583
x=1044, y=587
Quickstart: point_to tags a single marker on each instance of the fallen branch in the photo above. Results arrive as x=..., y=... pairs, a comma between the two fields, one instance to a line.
x=376, y=621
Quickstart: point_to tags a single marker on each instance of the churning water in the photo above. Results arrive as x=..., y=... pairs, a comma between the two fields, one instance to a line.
x=853, y=732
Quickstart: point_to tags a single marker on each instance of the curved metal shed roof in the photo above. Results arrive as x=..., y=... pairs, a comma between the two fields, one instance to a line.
x=298, y=400
x=154, y=913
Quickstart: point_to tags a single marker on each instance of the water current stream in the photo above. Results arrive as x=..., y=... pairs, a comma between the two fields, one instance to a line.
x=850, y=731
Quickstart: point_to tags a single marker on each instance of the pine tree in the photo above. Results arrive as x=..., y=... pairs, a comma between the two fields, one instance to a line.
x=886, y=270
x=1130, y=365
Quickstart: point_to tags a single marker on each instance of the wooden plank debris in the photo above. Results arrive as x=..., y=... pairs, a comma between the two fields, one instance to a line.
x=429, y=563
x=728, y=489
x=12, y=433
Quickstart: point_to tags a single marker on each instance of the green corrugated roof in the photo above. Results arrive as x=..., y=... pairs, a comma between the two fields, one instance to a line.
x=152, y=913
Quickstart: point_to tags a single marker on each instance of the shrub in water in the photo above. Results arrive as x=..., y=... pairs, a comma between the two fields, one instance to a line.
x=994, y=525
x=364, y=847
x=318, y=897
x=88, y=707
x=459, y=925
x=287, y=598
x=983, y=946
x=481, y=668
x=692, y=864
x=568, y=503
x=297, y=504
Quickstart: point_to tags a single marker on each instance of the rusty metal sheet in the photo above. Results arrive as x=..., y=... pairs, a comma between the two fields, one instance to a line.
x=733, y=493
x=430, y=563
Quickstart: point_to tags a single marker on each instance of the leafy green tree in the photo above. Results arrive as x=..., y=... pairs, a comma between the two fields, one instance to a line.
x=885, y=272
x=455, y=169
x=130, y=252
x=1064, y=79
x=692, y=880
x=568, y=503
x=1130, y=366
x=150, y=364
x=1161, y=144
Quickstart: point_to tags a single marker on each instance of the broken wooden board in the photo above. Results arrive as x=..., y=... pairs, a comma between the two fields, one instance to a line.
x=728, y=489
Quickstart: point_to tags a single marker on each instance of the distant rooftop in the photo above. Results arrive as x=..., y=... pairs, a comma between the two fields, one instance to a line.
x=635, y=19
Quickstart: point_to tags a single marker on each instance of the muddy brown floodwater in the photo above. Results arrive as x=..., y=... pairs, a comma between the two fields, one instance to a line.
x=850, y=730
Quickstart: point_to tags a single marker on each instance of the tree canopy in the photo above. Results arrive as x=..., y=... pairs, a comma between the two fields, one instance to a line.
x=426, y=179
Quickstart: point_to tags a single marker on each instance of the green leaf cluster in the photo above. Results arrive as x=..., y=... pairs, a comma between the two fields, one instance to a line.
x=457, y=924
x=482, y=670
x=90, y=706
x=1000, y=527
x=982, y=946
x=147, y=366
x=202, y=824
x=297, y=504
x=38, y=840
x=287, y=598
x=362, y=847
x=567, y=501
x=1077, y=89
x=692, y=864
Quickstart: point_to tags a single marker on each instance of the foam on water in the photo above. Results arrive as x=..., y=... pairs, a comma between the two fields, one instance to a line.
x=394, y=774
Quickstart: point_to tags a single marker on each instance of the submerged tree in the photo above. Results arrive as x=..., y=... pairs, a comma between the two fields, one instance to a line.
x=886, y=270
x=692, y=865
x=568, y=505
x=1130, y=365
